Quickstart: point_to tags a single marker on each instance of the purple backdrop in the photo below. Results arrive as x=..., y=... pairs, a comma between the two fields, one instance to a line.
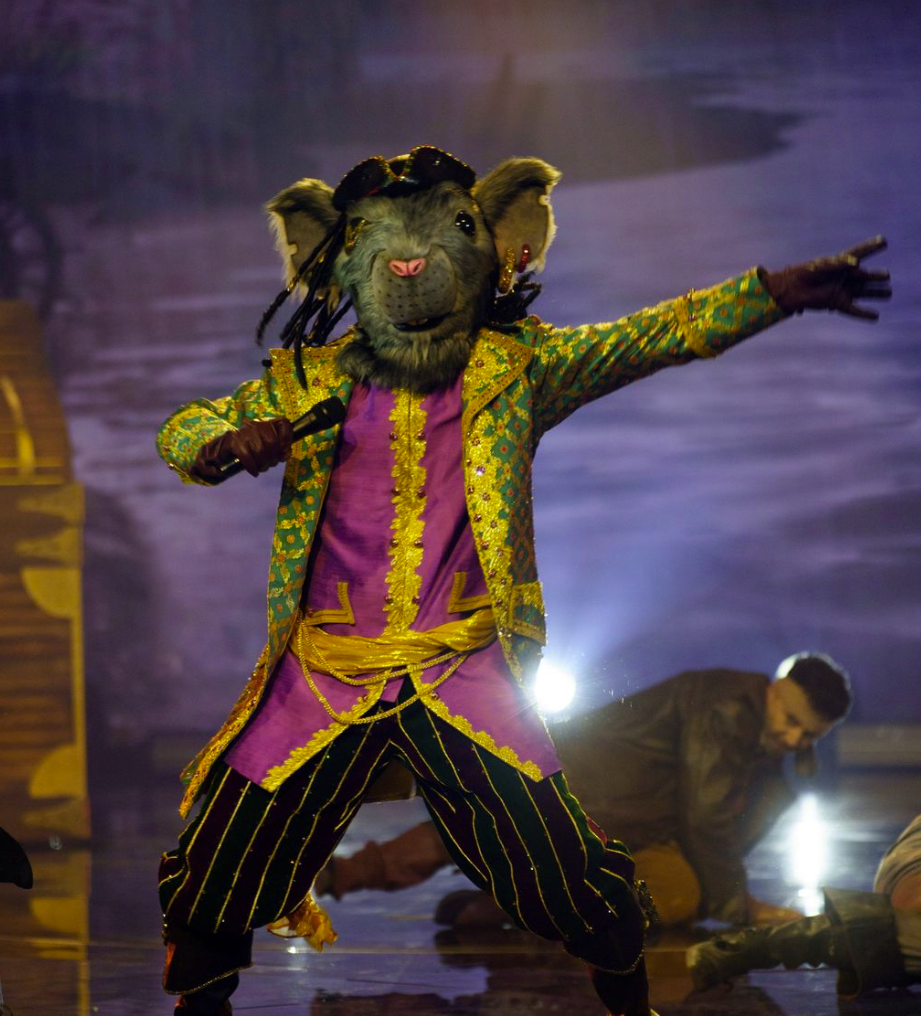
x=726, y=513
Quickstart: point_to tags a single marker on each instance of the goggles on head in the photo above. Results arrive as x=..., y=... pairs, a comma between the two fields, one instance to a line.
x=423, y=167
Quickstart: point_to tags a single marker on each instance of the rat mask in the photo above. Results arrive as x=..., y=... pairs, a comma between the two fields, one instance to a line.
x=419, y=248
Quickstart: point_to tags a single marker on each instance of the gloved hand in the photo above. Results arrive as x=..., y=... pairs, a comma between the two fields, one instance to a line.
x=258, y=445
x=831, y=283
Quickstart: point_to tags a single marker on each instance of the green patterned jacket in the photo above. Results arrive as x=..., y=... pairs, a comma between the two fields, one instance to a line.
x=515, y=388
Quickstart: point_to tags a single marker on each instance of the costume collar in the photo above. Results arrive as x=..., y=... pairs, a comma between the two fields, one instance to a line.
x=496, y=360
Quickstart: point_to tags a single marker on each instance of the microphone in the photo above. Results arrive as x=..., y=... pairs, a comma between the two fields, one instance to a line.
x=322, y=416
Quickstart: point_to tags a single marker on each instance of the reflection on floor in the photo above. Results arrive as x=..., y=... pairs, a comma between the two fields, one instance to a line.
x=391, y=958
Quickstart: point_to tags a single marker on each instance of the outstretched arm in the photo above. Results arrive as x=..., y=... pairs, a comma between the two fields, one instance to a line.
x=576, y=365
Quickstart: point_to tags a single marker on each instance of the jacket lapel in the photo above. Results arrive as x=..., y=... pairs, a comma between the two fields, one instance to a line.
x=494, y=364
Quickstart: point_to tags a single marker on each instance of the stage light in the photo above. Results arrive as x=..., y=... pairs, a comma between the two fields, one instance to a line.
x=808, y=852
x=554, y=687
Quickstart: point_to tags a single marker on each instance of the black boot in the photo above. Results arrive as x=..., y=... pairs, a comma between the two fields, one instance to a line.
x=624, y=995
x=812, y=940
x=210, y=1001
x=620, y=948
x=202, y=969
x=856, y=935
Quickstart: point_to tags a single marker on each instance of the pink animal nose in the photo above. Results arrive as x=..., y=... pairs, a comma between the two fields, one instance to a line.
x=407, y=268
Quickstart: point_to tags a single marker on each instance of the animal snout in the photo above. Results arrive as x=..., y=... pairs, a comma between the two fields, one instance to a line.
x=405, y=269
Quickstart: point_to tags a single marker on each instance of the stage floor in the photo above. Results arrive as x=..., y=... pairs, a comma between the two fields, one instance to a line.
x=85, y=940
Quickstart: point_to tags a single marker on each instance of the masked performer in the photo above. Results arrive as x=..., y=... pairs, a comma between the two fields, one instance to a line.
x=404, y=607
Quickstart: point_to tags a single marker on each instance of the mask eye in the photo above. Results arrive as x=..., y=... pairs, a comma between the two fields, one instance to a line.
x=352, y=233
x=465, y=222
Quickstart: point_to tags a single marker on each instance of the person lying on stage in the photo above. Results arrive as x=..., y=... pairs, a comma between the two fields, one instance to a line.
x=403, y=601
x=872, y=939
x=698, y=782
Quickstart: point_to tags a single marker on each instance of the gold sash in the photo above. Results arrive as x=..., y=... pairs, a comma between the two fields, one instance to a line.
x=350, y=655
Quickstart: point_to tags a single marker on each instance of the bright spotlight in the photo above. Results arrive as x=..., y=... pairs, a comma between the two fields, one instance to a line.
x=807, y=852
x=554, y=687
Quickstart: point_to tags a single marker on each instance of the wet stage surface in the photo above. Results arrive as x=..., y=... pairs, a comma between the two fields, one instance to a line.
x=85, y=940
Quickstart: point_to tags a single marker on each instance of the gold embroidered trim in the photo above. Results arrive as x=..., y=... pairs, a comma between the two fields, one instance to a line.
x=458, y=603
x=404, y=580
x=528, y=594
x=531, y=631
x=207, y=984
x=345, y=615
x=487, y=510
x=278, y=774
x=495, y=362
x=484, y=740
x=695, y=336
x=322, y=373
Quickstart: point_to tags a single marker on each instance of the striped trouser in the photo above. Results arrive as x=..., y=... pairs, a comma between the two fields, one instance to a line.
x=250, y=856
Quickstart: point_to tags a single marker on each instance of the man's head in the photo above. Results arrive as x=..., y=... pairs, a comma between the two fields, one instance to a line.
x=809, y=695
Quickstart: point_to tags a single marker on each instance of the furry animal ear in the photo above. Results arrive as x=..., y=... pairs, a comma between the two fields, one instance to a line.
x=515, y=201
x=300, y=216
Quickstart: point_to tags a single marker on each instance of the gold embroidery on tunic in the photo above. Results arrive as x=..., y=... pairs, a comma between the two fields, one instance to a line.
x=345, y=614
x=404, y=581
x=458, y=603
x=484, y=740
x=278, y=774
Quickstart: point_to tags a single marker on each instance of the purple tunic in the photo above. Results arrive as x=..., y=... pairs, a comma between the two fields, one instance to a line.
x=395, y=531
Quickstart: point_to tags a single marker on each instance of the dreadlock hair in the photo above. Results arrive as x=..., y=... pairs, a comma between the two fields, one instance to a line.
x=315, y=272
x=509, y=308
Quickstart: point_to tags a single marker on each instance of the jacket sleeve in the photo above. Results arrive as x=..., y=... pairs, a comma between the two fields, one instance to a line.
x=712, y=798
x=573, y=366
x=193, y=425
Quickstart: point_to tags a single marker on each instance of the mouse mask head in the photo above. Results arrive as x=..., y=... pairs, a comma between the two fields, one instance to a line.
x=425, y=253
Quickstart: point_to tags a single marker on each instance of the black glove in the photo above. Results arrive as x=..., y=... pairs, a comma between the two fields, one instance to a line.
x=258, y=445
x=831, y=283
